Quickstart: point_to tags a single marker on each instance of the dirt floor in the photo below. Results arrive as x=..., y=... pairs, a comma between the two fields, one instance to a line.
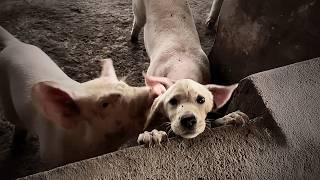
x=76, y=35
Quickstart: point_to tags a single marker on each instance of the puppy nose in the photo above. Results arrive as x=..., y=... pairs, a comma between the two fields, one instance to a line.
x=188, y=121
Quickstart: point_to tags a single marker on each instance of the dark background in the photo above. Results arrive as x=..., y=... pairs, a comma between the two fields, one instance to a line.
x=259, y=35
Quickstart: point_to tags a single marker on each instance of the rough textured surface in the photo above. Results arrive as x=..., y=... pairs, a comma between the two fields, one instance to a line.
x=282, y=143
x=291, y=97
x=254, y=36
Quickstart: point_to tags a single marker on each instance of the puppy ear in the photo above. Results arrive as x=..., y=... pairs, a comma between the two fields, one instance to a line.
x=56, y=104
x=158, y=84
x=108, y=69
x=156, y=112
x=221, y=94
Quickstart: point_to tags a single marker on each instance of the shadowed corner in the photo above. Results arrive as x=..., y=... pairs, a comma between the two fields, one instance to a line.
x=267, y=124
x=19, y=158
x=247, y=99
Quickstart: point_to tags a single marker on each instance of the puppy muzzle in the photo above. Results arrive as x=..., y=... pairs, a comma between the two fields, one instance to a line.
x=188, y=121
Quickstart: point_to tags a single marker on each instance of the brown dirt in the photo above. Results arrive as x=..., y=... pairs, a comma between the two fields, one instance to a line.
x=76, y=35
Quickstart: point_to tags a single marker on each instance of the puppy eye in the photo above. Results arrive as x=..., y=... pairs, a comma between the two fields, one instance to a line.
x=173, y=101
x=200, y=99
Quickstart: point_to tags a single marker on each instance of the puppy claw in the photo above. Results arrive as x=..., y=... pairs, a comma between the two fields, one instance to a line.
x=235, y=118
x=153, y=138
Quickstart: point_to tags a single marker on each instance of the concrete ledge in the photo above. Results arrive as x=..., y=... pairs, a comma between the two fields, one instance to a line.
x=284, y=144
x=221, y=154
x=288, y=99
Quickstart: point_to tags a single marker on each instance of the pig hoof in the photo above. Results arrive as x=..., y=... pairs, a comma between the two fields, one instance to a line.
x=153, y=138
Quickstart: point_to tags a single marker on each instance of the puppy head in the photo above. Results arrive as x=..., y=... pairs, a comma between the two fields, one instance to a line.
x=186, y=104
x=99, y=110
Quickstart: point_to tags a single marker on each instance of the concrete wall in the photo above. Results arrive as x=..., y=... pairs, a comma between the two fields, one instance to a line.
x=282, y=143
x=254, y=36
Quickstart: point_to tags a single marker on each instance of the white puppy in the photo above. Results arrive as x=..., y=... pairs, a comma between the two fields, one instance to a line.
x=173, y=45
x=72, y=120
x=185, y=105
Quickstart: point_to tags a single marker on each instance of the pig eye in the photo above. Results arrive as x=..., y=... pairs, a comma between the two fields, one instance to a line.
x=200, y=99
x=105, y=101
x=173, y=101
x=104, y=104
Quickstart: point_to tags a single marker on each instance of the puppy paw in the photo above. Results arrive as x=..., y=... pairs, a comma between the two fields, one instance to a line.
x=235, y=118
x=153, y=138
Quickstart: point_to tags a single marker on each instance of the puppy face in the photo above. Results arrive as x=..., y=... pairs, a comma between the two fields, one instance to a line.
x=186, y=104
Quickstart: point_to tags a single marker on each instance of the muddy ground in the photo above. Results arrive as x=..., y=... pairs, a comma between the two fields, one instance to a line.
x=76, y=35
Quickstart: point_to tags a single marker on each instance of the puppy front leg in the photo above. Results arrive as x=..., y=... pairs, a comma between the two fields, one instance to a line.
x=139, y=20
x=234, y=118
x=153, y=138
x=214, y=13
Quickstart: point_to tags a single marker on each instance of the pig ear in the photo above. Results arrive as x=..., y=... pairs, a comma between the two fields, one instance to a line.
x=158, y=84
x=108, y=69
x=56, y=104
x=221, y=94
